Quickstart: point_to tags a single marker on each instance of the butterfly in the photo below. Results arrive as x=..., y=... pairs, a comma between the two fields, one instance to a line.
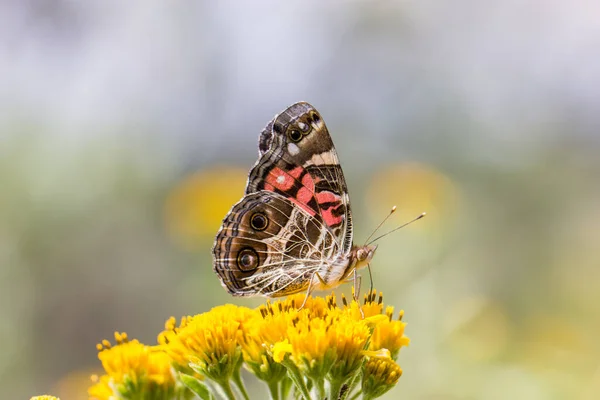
x=292, y=230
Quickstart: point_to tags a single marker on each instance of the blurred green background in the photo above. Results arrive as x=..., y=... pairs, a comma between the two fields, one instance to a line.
x=127, y=130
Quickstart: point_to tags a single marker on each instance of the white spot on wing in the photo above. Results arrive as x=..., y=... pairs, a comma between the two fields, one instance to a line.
x=280, y=179
x=325, y=158
x=293, y=149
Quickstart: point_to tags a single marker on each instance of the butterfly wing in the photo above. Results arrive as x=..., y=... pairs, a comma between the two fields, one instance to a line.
x=297, y=159
x=269, y=246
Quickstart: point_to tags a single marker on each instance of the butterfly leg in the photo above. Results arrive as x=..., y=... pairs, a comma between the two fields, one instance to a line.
x=356, y=291
x=370, y=279
x=356, y=279
x=310, y=288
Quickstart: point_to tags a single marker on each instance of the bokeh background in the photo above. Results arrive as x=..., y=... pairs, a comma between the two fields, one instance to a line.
x=127, y=130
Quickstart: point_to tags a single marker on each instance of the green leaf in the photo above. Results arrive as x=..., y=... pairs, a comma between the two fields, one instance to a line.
x=196, y=386
x=296, y=376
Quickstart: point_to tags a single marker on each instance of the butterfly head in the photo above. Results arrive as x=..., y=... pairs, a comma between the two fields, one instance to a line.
x=363, y=255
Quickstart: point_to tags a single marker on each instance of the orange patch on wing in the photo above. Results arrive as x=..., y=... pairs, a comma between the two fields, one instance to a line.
x=328, y=197
x=304, y=207
x=329, y=218
x=308, y=183
x=304, y=195
x=327, y=214
x=279, y=179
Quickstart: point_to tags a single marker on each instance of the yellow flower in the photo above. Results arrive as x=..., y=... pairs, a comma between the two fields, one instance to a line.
x=321, y=329
x=281, y=349
x=379, y=376
x=351, y=339
x=314, y=343
x=44, y=397
x=389, y=334
x=133, y=369
x=300, y=339
x=278, y=318
x=101, y=389
x=208, y=342
x=257, y=336
x=325, y=341
x=371, y=307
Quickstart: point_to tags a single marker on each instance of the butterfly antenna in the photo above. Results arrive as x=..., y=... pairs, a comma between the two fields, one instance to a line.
x=395, y=229
x=381, y=223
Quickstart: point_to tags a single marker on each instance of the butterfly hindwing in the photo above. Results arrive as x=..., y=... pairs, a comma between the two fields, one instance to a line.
x=269, y=246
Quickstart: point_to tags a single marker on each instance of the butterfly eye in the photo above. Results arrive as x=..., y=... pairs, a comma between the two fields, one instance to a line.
x=247, y=259
x=315, y=117
x=259, y=221
x=295, y=135
x=361, y=255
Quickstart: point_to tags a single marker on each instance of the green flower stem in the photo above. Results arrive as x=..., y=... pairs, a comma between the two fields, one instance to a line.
x=239, y=383
x=286, y=385
x=226, y=386
x=320, y=386
x=274, y=389
x=369, y=397
x=334, y=389
x=352, y=383
x=357, y=395
x=296, y=377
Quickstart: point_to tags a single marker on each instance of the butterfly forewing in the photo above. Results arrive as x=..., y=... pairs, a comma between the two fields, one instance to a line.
x=298, y=160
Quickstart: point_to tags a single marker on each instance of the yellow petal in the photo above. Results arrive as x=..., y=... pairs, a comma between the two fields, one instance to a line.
x=280, y=349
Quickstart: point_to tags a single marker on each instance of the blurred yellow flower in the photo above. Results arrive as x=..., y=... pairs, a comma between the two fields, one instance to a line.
x=549, y=340
x=44, y=397
x=71, y=385
x=196, y=207
x=479, y=328
x=415, y=188
x=101, y=389
x=132, y=369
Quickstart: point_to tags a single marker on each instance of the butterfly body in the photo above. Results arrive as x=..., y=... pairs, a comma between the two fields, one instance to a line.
x=293, y=228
